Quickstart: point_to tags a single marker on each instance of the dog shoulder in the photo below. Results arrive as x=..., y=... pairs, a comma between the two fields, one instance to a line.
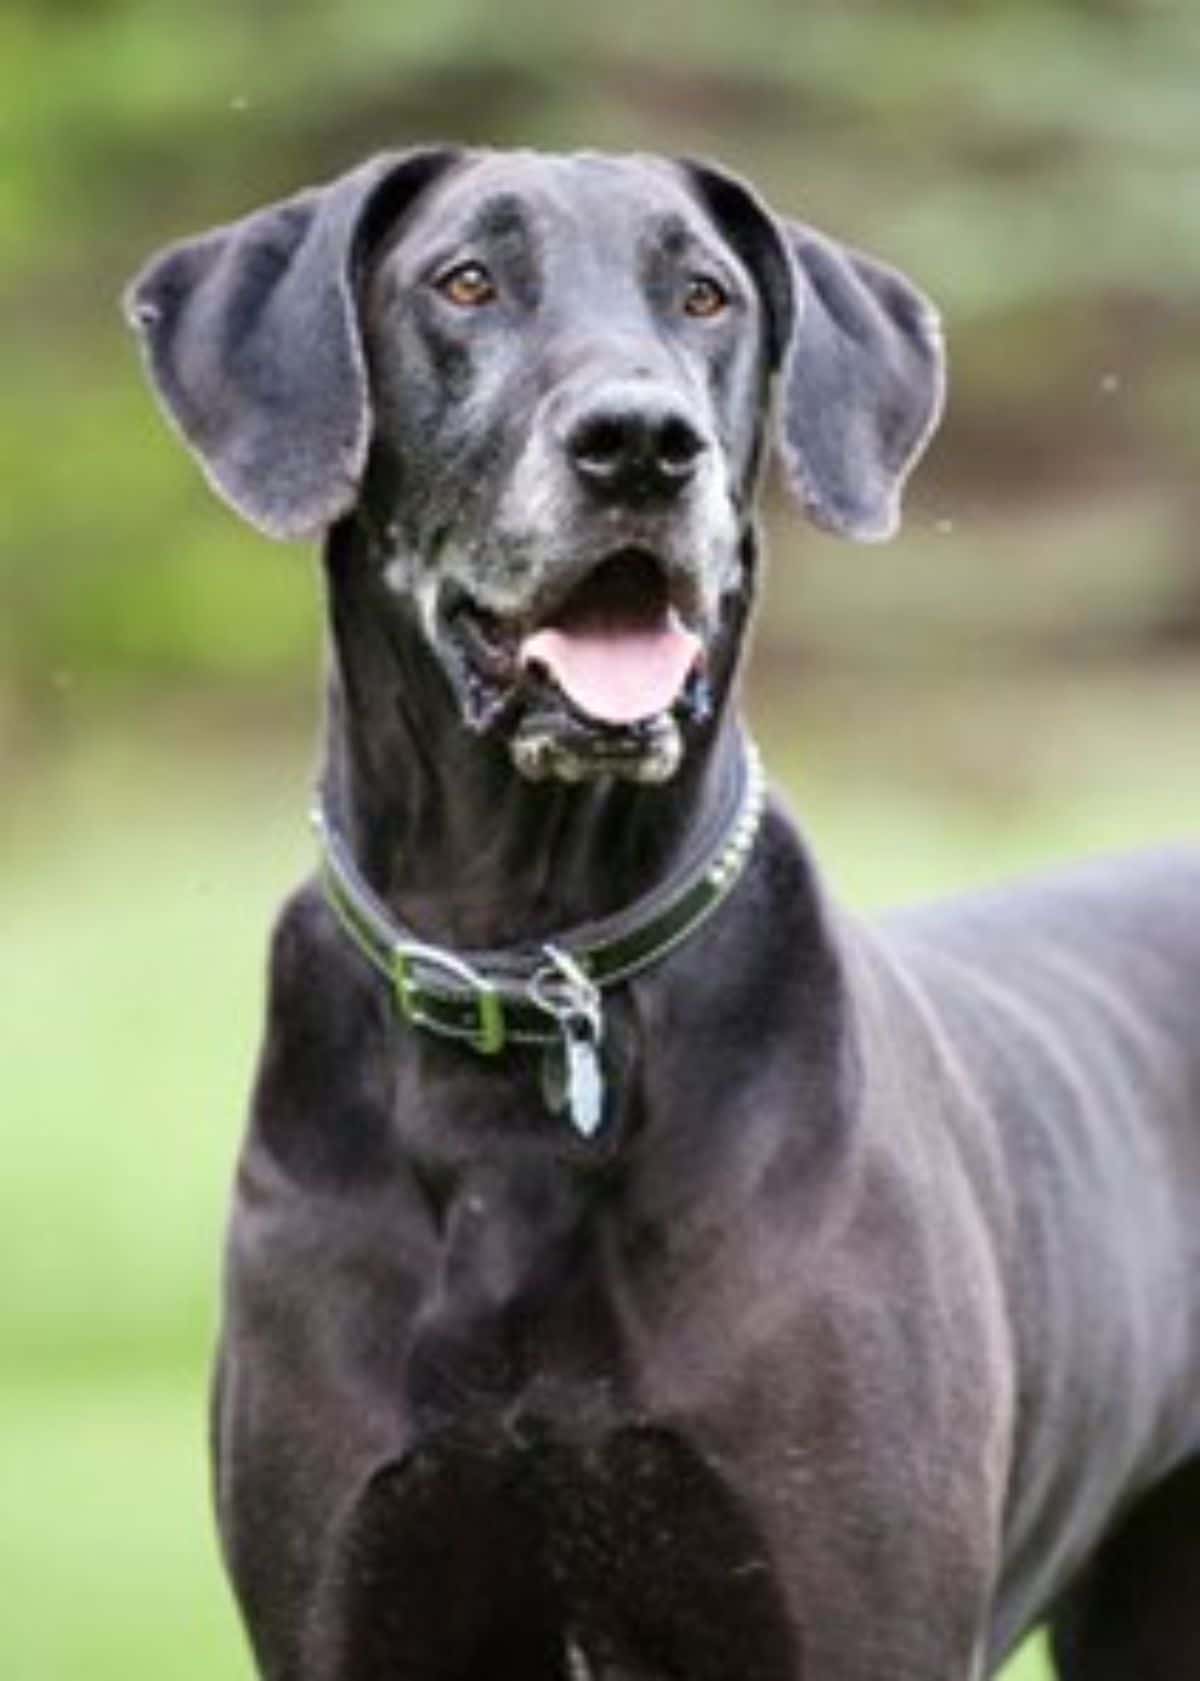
x=321, y=990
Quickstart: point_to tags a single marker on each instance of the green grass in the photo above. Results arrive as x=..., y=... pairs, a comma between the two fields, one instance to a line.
x=106, y=1552
x=134, y=904
x=137, y=888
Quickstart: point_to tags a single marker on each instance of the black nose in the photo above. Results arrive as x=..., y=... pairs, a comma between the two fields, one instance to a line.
x=635, y=450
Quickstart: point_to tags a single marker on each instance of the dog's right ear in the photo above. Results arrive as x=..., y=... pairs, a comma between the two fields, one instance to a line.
x=252, y=339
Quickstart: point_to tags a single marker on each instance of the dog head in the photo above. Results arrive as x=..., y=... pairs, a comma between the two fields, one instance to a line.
x=544, y=386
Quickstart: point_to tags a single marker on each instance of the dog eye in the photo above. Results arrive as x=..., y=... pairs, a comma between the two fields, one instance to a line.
x=470, y=286
x=704, y=297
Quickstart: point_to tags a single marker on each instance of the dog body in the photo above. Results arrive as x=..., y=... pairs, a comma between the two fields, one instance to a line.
x=865, y=1329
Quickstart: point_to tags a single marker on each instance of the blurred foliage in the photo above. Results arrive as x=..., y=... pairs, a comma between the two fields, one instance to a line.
x=1034, y=162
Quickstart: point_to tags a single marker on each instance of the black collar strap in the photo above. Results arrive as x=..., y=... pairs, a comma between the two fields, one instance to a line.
x=537, y=994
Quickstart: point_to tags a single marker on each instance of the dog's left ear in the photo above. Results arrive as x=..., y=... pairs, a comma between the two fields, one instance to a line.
x=252, y=339
x=863, y=386
x=861, y=355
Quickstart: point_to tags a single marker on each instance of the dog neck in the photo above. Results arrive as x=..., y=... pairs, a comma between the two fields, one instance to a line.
x=451, y=839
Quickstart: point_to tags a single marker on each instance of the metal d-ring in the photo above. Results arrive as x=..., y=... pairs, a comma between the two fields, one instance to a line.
x=565, y=991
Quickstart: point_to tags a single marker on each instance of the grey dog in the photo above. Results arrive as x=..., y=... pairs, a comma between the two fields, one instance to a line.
x=640, y=1269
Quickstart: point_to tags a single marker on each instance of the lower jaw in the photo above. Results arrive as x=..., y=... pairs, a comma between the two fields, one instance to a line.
x=544, y=746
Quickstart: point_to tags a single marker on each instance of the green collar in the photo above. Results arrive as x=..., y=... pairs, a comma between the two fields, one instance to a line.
x=550, y=990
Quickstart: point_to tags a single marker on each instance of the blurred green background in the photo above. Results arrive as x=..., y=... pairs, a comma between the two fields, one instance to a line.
x=1015, y=679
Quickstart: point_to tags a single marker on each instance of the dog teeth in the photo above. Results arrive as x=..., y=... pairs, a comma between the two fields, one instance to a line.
x=659, y=766
x=531, y=756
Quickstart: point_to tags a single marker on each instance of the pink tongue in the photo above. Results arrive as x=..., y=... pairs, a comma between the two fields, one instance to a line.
x=618, y=675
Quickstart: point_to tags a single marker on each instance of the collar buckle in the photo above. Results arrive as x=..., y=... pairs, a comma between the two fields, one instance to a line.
x=412, y=963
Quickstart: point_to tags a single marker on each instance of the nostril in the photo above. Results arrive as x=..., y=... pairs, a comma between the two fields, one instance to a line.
x=600, y=445
x=679, y=447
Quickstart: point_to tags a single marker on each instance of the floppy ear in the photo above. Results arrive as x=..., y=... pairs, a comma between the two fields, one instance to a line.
x=863, y=386
x=863, y=369
x=251, y=336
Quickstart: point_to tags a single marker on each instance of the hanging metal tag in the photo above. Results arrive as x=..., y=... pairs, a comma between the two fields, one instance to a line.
x=572, y=1077
x=584, y=1080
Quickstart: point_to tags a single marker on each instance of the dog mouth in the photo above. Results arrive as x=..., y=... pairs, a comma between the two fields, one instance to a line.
x=597, y=683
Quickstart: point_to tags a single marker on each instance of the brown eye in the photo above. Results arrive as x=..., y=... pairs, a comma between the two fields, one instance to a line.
x=469, y=286
x=705, y=297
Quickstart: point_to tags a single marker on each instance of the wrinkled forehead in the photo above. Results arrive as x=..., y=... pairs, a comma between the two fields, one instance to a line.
x=618, y=208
